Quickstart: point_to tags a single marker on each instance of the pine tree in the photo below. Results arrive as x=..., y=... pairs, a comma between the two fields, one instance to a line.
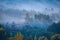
x=10, y=37
x=35, y=38
x=31, y=37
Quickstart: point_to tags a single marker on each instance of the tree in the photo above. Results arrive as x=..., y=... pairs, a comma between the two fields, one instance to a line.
x=11, y=37
x=35, y=38
x=2, y=33
x=42, y=38
x=55, y=27
x=31, y=37
x=55, y=37
x=19, y=36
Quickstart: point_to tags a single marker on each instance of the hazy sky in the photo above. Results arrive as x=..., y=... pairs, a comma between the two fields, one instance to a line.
x=37, y=5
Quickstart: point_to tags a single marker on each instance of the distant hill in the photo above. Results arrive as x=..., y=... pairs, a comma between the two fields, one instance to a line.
x=55, y=27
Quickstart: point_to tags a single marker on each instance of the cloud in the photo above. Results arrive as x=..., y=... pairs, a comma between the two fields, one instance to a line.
x=37, y=5
x=31, y=3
